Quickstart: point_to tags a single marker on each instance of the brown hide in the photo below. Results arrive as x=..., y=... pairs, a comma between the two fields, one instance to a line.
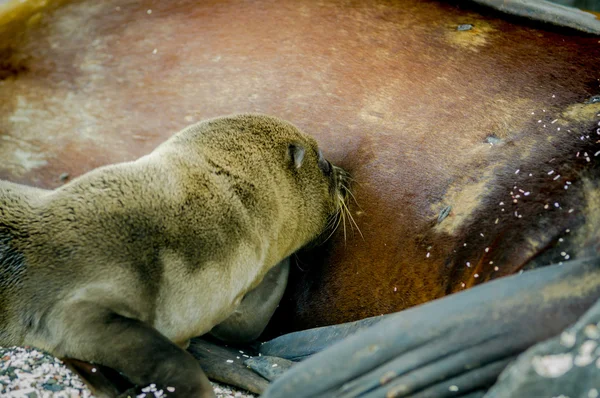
x=425, y=116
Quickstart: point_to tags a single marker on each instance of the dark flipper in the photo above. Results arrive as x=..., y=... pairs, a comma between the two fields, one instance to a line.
x=299, y=345
x=269, y=367
x=226, y=365
x=547, y=11
x=102, y=381
x=567, y=364
x=451, y=346
x=139, y=352
x=219, y=363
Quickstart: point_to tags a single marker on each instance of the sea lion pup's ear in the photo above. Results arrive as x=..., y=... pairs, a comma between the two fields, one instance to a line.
x=296, y=154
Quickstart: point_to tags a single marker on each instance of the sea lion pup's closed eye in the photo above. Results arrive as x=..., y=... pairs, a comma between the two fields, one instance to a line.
x=123, y=265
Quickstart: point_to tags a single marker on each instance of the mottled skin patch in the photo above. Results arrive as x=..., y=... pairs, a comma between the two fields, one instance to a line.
x=465, y=199
x=478, y=36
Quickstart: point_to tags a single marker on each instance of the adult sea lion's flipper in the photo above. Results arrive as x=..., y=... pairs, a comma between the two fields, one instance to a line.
x=546, y=11
x=451, y=346
x=566, y=364
x=226, y=365
x=297, y=346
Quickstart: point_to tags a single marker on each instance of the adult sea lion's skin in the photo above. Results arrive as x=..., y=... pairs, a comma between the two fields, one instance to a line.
x=397, y=95
x=123, y=265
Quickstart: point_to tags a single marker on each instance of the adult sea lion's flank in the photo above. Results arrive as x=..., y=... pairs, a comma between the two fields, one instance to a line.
x=123, y=265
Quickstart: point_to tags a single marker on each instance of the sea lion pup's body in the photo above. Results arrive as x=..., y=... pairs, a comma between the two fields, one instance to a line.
x=251, y=317
x=121, y=263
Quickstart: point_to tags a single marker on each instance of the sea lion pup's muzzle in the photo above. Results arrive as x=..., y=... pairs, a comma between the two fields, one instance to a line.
x=339, y=182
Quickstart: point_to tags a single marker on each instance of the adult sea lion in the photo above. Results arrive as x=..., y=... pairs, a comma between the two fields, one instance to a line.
x=423, y=115
x=433, y=106
x=123, y=265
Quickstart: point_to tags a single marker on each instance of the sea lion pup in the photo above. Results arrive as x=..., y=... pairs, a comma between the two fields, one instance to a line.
x=123, y=265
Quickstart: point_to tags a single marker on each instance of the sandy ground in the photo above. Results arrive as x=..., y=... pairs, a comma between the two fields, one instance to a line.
x=29, y=373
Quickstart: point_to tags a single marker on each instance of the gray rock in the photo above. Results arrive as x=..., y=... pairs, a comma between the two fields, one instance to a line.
x=567, y=365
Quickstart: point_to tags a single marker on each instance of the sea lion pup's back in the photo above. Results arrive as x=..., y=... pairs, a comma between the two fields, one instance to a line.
x=130, y=258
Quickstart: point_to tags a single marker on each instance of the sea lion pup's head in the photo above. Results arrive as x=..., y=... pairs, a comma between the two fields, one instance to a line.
x=276, y=172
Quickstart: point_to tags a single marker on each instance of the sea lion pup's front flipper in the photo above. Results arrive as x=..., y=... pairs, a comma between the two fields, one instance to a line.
x=138, y=351
x=450, y=346
x=102, y=381
x=253, y=314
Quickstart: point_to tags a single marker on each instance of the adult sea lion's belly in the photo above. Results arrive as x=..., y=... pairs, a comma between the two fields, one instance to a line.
x=431, y=120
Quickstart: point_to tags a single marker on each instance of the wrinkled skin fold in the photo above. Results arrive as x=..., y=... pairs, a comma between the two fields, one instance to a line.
x=460, y=343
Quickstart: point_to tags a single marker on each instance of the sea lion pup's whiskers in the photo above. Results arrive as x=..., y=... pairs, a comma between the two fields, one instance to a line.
x=344, y=193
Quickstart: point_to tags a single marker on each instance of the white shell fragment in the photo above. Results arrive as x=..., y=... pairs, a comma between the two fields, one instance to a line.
x=552, y=366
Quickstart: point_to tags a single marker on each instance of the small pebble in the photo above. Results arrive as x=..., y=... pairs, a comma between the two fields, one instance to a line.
x=27, y=372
